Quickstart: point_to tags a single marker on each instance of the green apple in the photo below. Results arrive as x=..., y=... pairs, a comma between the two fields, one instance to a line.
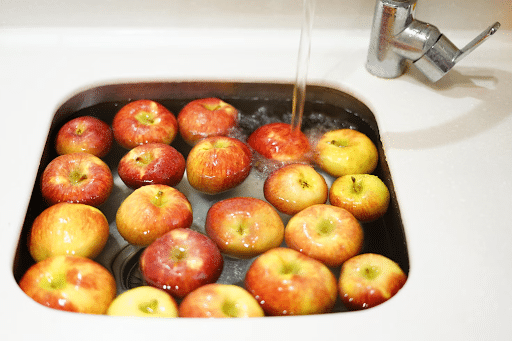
x=369, y=279
x=327, y=233
x=346, y=151
x=144, y=301
x=220, y=300
x=363, y=195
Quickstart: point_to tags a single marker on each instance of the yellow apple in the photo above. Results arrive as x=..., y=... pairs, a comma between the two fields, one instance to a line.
x=144, y=301
x=68, y=229
x=346, y=151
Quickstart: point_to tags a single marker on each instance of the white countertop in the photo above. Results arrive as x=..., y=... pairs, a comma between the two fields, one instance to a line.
x=448, y=145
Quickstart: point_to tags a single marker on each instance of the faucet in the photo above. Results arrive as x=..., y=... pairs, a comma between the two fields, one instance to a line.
x=397, y=37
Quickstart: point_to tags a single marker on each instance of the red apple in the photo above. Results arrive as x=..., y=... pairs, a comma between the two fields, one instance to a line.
x=84, y=134
x=287, y=282
x=144, y=301
x=144, y=121
x=363, y=195
x=219, y=301
x=294, y=187
x=151, y=211
x=277, y=141
x=217, y=164
x=327, y=233
x=151, y=163
x=77, y=178
x=181, y=261
x=206, y=117
x=368, y=280
x=68, y=229
x=346, y=151
x=244, y=227
x=70, y=283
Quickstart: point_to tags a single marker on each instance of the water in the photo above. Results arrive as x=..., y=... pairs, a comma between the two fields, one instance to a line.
x=299, y=90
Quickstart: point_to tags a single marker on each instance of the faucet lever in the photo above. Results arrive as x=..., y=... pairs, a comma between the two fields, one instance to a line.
x=396, y=37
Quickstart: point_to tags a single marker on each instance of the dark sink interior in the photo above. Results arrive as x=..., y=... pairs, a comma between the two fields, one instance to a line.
x=258, y=103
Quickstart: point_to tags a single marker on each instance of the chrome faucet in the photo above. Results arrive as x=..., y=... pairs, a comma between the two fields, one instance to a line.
x=397, y=37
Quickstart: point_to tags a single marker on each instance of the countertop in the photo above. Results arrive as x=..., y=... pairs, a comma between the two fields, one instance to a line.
x=448, y=146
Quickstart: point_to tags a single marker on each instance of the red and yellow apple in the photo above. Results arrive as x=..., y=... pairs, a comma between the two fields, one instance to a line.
x=218, y=300
x=77, y=178
x=217, y=164
x=244, y=227
x=346, y=151
x=144, y=121
x=363, y=195
x=71, y=283
x=151, y=163
x=144, y=301
x=206, y=117
x=68, y=229
x=369, y=279
x=279, y=142
x=151, y=211
x=327, y=233
x=181, y=261
x=294, y=187
x=287, y=282
x=84, y=134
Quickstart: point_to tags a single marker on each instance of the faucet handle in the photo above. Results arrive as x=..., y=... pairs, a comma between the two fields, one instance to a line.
x=443, y=55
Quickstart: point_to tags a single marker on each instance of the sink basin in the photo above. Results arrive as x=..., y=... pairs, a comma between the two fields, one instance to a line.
x=258, y=103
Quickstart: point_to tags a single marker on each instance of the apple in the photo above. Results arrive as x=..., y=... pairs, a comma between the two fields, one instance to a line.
x=218, y=300
x=151, y=211
x=144, y=301
x=68, y=229
x=151, y=163
x=71, y=283
x=369, y=279
x=363, y=195
x=144, y=121
x=181, y=261
x=327, y=233
x=277, y=141
x=244, y=227
x=346, y=151
x=217, y=164
x=287, y=282
x=294, y=187
x=84, y=134
x=77, y=178
x=206, y=117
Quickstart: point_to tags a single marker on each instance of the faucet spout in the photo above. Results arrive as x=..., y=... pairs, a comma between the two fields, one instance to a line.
x=397, y=37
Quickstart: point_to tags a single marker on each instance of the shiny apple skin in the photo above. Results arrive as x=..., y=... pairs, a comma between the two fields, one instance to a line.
x=77, y=178
x=151, y=163
x=181, y=261
x=217, y=164
x=294, y=187
x=151, y=211
x=287, y=282
x=144, y=301
x=346, y=151
x=364, y=195
x=244, y=227
x=327, y=233
x=277, y=141
x=86, y=287
x=218, y=300
x=161, y=125
x=68, y=229
x=358, y=292
x=84, y=134
x=206, y=117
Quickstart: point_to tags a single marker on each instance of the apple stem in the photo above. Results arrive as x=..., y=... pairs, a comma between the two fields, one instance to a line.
x=355, y=184
x=158, y=201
